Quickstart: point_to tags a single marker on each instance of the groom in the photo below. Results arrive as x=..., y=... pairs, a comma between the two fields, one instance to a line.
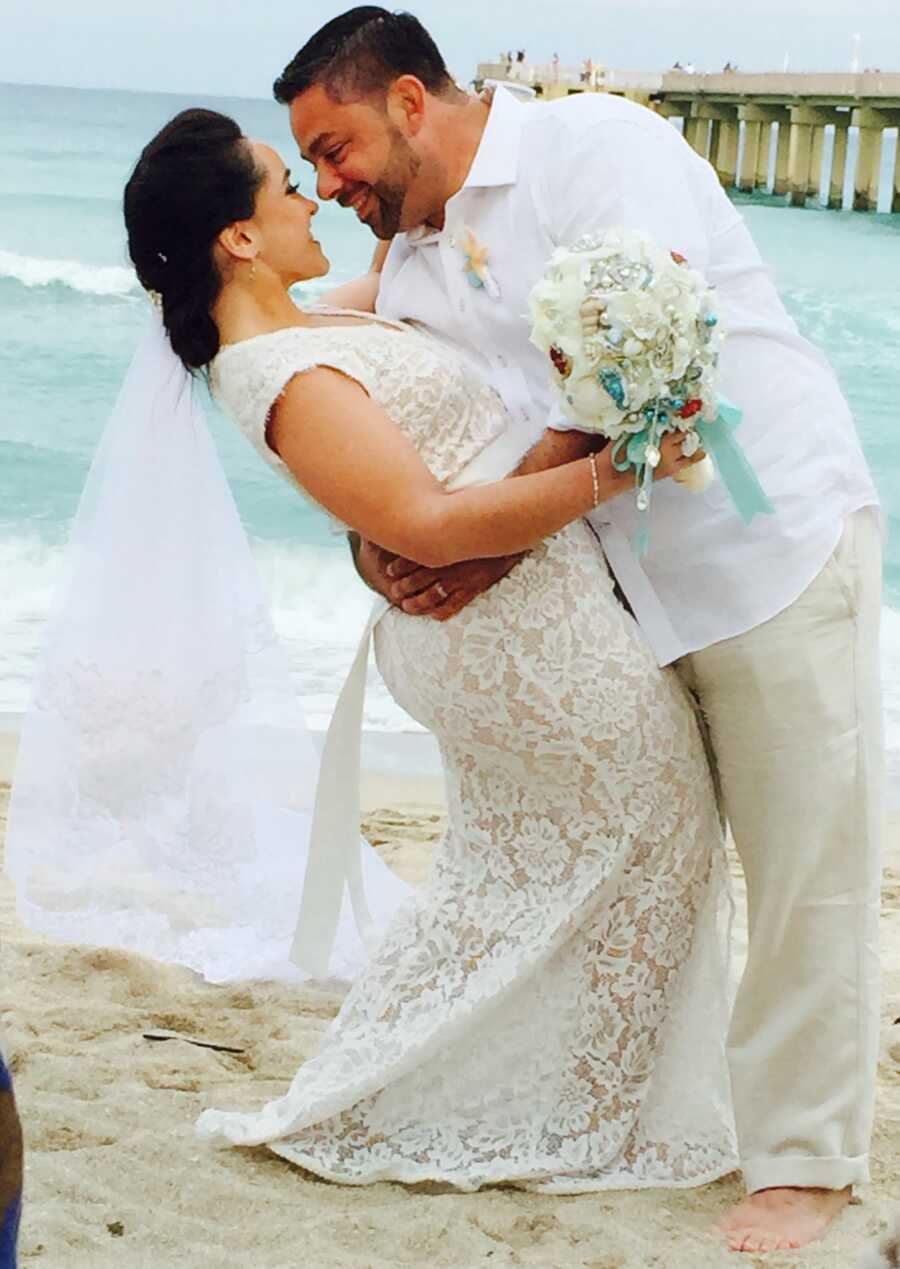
x=774, y=628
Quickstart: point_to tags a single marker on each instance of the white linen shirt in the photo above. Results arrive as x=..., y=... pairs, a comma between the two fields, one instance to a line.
x=546, y=173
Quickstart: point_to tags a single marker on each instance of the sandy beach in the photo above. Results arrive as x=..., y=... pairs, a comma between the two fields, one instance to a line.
x=115, y=1177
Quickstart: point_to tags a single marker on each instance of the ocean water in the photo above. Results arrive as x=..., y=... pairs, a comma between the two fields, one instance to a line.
x=70, y=313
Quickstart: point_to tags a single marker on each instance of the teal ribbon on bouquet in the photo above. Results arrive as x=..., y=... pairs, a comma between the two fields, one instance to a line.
x=732, y=466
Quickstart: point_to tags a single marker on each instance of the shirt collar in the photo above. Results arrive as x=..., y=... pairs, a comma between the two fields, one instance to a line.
x=496, y=161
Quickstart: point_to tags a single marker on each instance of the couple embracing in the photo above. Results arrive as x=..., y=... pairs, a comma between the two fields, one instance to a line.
x=552, y=1009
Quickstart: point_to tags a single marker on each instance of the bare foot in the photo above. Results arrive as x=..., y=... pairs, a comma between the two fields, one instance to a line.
x=781, y=1219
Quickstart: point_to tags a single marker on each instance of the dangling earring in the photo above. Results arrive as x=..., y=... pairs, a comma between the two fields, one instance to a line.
x=253, y=269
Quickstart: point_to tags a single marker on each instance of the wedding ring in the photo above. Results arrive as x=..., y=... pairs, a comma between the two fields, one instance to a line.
x=439, y=587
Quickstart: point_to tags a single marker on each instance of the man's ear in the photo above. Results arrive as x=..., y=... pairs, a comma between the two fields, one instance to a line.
x=406, y=104
x=239, y=241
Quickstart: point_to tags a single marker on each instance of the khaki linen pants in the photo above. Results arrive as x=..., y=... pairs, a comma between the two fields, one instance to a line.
x=794, y=715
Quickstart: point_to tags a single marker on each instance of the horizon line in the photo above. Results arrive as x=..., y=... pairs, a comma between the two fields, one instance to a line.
x=133, y=92
x=224, y=96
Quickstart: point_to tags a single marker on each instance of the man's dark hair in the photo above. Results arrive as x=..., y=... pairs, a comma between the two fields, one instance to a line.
x=361, y=53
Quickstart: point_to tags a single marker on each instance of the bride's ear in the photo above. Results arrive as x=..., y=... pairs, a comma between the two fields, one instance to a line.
x=239, y=241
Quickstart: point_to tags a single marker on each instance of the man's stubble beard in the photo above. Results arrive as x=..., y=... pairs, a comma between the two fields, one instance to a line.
x=393, y=188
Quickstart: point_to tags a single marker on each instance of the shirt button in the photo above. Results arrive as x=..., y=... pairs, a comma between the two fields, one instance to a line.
x=501, y=360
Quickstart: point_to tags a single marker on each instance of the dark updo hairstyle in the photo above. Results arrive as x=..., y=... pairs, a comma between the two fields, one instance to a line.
x=196, y=177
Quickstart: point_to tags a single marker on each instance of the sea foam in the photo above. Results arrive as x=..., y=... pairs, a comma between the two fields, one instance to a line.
x=86, y=279
x=113, y=279
x=319, y=608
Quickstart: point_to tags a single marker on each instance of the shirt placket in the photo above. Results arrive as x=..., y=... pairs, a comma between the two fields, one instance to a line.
x=472, y=309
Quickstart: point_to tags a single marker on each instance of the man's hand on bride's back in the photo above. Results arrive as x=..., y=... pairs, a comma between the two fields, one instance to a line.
x=372, y=564
x=427, y=592
x=442, y=593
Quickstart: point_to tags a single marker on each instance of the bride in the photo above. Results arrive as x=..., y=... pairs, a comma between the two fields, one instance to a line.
x=549, y=1010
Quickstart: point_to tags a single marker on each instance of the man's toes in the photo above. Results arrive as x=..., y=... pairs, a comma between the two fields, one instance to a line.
x=757, y=1240
x=739, y=1239
x=743, y=1242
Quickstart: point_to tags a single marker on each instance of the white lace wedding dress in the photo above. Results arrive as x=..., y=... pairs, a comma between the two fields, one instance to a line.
x=550, y=1009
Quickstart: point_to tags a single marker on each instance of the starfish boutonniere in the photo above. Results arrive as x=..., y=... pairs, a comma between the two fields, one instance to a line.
x=476, y=265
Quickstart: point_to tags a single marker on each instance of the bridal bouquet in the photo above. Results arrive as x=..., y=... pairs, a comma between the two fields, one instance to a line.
x=633, y=340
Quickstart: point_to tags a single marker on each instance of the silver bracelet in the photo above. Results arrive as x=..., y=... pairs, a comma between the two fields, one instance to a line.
x=595, y=480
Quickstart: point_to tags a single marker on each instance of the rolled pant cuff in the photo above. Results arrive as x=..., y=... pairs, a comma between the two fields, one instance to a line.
x=766, y=1173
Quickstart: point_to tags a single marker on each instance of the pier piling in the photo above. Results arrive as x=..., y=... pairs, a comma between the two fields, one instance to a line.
x=838, y=167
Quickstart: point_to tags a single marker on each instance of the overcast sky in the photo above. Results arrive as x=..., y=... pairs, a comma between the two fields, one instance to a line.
x=236, y=47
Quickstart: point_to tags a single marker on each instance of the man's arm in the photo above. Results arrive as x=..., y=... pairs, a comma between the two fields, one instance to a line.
x=362, y=292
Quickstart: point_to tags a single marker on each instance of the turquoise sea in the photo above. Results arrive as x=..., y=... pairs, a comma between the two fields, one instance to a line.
x=70, y=313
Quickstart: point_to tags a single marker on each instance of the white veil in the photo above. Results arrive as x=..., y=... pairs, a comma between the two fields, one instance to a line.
x=166, y=774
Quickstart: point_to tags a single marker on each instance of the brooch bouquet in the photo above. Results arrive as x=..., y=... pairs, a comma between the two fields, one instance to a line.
x=633, y=338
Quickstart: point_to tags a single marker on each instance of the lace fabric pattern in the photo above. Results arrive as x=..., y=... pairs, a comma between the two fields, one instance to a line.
x=416, y=380
x=550, y=1009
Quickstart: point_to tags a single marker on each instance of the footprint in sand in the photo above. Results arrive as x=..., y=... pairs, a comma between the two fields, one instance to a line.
x=66, y=1137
